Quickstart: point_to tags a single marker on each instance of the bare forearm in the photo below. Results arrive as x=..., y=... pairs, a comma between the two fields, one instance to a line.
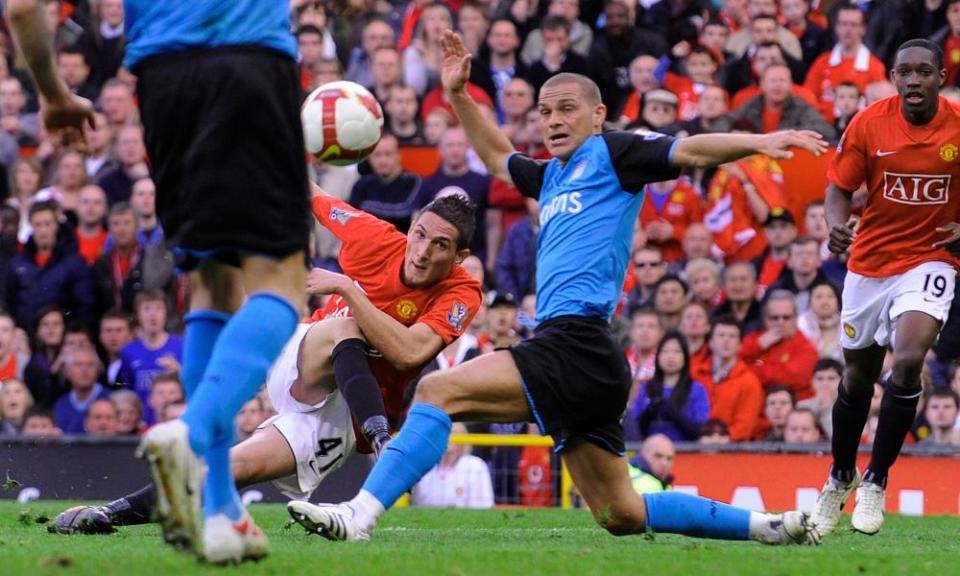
x=485, y=136
x=704, y=150
x=29, y=27
x=838, y=206
x=391, y=338
x=757, y=205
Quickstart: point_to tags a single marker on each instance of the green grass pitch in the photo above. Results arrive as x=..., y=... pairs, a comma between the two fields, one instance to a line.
x=424, y=542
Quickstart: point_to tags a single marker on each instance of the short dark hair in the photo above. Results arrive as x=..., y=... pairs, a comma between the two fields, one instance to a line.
x=36, y=411
x=851, y=84
x=704, y=51
x=725, y=320
x=945, y=393
x=117, y=314
x=43, y=206
x=458, y=211
x=555, y=22
x=829, y=364
x=72, y=51
x=148, y=295
x=776, y=388
x=804, y=240
x=308, y=29
x=667, y=278
x=120, y=208
x=759, y=17
x=926, y=45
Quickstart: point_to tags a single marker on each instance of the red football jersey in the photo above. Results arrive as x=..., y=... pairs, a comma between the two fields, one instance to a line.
x=372, y=256
x=909, y=171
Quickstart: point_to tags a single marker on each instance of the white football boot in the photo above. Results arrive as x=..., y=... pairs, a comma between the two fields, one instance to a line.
x=229, y=542
x=788, y=528
x=178, y=475
x=332, y=521
x=868, y=512
x=826, y=512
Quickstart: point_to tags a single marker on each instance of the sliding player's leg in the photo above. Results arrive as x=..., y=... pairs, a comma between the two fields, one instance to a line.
x=487, y=388
x=602, y=478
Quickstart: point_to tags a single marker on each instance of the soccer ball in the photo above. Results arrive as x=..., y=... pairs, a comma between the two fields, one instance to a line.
x=342, y=123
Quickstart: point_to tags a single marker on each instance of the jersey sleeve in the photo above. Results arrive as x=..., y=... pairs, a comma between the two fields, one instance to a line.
x=450, y=313
x=526, y=173
x=355, y=228
x=640, y=159
x=848, y=168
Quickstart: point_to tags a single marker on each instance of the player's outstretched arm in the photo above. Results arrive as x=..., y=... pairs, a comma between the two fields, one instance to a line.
x=64, y=114
x=406, y=348
x=706, y=150
x=838, y=207
x=485, y=137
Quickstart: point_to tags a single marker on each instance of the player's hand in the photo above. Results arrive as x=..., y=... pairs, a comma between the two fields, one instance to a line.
x=321, y=281
x=951, y=243
x=778, y=145
x=64, y=120
x=841, y=237
x=455, y=68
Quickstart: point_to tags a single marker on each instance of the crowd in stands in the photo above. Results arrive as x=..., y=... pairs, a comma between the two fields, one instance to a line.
x=730, y=313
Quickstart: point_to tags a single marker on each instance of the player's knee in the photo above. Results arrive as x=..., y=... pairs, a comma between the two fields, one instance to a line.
x=858, y=381
x=344, y=329
x=432, y=390
x=621, y=523
x=907, y=365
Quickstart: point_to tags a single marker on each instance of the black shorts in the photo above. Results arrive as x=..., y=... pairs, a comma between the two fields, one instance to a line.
x=577, y=381
x=222, y=129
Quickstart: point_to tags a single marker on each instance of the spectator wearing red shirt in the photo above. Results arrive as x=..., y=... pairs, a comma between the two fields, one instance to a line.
x=814, y=39
x=695, y=327
x=643, y=79
x=701, y=65
x=736, y=396
x=780, y=230
x=12, y=363
x=668, y=209
x=117, y=273
x=949, y=40
x=91, y=233
x=739, y=200
x=849, y=61
x=780, y=354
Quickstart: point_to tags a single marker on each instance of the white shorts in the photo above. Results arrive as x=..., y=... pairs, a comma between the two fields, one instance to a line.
x=321, y=436
x=871, y=306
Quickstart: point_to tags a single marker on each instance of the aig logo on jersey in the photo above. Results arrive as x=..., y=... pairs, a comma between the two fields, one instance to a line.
x=916, y=189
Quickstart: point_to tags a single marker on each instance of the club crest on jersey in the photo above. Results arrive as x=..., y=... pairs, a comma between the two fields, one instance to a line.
x=849, y=330
x=948, y=152
x=457, y=315
x=342, y=216
x=916, y=189
x=578, y=171
x=407, y=309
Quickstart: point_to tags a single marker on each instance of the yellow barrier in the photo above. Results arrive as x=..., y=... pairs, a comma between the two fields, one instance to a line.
x=519, y=440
